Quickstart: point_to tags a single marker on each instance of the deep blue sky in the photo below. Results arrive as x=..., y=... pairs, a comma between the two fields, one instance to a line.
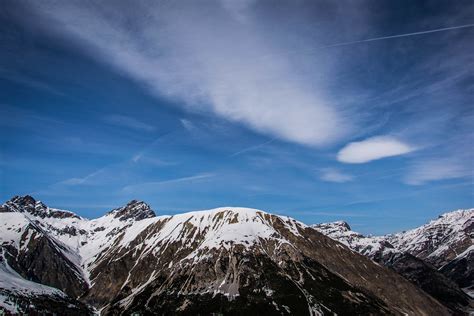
x=264, y=104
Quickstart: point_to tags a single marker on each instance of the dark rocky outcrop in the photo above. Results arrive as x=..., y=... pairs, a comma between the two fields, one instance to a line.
x=262, y=286
x=36, y=208
x=134, y=209
x=461, y=271
x=41, y=305
x=40, y=260
x=18, y=296
x=433, y=282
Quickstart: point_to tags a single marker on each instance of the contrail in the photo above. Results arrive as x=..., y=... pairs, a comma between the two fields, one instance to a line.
x=253, y=147
x=402, y=35
x=308, y=50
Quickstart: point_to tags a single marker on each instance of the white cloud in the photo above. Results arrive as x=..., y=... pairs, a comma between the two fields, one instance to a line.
x=225, y=62
x=334, y=175
x=437, y=169
x=372, y=149
x=128, y=122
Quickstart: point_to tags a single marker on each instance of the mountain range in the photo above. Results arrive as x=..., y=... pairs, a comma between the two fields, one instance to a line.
x=437, y=257
x=227, y=261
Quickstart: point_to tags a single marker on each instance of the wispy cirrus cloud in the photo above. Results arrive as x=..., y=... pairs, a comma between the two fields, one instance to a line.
x=28, y=81
x=152, y=185
x=128, y=122
x=145, y=155
x=373, y=148
x=187, y=124
x=252, y=148
x=429, y=170
x=335, y=175
x=93, y=178
x=231, y=64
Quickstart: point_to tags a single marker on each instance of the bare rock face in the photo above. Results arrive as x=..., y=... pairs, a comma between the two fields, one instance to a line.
x=36, y=208
x=240, y=283
x=432, y=281
x=38, y=257
x=136, y=210
x=21, y=296
x=37, y=275
x=41, y=262
x=226, y=260
x=461, y=271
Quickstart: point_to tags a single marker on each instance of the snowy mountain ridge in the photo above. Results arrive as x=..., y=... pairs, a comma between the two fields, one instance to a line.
x=441, y=240
x=240, y=259
x=369, y=246
x=88, y=238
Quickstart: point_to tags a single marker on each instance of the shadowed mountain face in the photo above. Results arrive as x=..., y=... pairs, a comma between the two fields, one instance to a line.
x=21, y=296
x=226, y=260
x=33, y=252
x=461, y=271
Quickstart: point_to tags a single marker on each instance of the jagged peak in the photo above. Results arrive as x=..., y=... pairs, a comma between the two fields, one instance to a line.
x=34, y=207
x=25, y=200
x=457, y=215
x=134, y=209
x=342, y=225
x=457, y=220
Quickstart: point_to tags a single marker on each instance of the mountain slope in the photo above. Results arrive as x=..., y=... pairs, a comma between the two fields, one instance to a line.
x=33, y=252
x=224, y=256
x=461, y=271
x=437, y=256
x=226, y=260
x=20, y=296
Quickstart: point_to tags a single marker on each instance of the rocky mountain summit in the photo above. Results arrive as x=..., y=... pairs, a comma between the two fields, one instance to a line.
x=447, y=238
x=226, y=260
x=133, y=210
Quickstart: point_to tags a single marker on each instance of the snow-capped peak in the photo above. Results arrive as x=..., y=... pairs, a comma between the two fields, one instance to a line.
x=134, y=209
x=439, y=241
x=222, y=227
x=35, y=208
x=372, y=247
x=338, y=226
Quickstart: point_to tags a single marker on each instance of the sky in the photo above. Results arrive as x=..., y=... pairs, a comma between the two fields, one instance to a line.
x=319, y=110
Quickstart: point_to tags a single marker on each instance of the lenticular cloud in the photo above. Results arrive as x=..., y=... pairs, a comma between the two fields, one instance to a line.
x=372, y=149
